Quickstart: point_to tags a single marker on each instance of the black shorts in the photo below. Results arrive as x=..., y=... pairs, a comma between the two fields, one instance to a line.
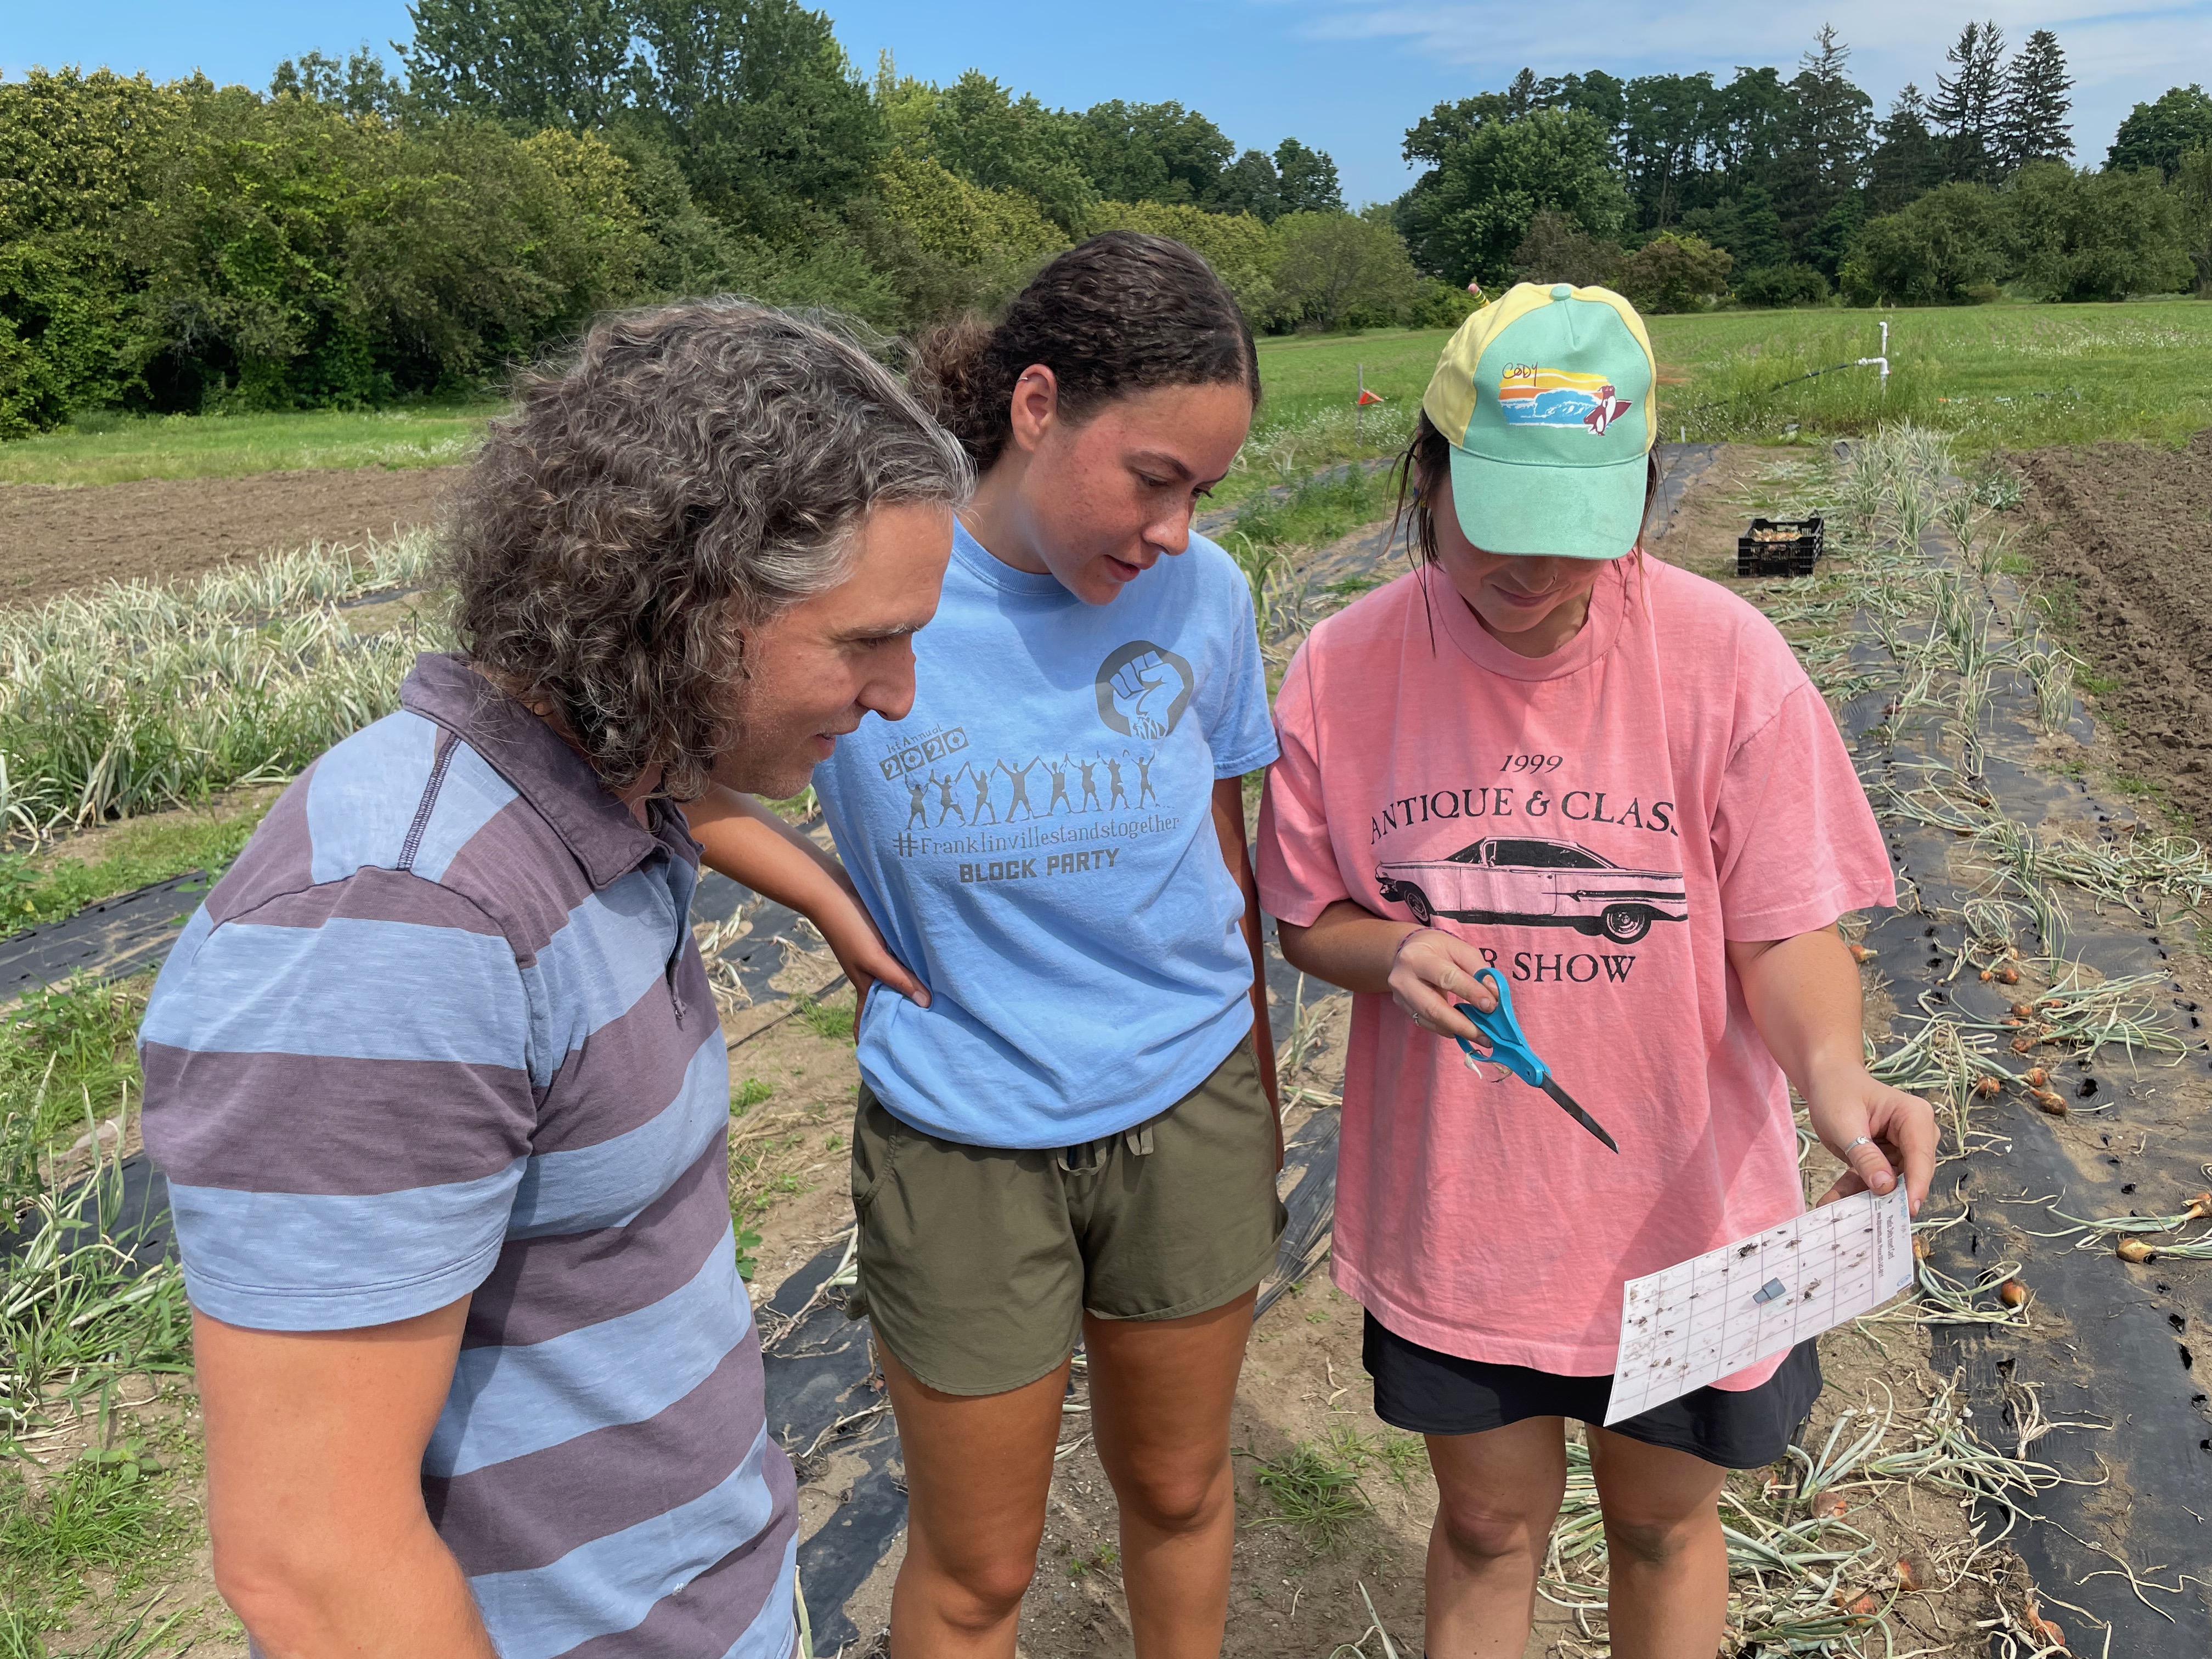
x=1424, y=1392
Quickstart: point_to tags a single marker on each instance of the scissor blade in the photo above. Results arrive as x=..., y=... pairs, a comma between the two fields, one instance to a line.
x=1567, y=1104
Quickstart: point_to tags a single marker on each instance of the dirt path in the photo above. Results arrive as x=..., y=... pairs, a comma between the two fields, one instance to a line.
x=54, y=539
x=2120, y=536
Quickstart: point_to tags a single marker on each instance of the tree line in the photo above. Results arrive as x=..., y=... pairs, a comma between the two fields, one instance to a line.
x=1683, y=190
x=351, y=235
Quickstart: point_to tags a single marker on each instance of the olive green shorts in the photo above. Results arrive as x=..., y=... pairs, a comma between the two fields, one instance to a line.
x=977, y=1264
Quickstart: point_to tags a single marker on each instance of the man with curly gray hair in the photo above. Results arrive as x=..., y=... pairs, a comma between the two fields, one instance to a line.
x=435, y=1073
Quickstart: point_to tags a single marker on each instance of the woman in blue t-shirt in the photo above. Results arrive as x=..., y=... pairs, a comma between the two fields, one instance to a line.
x=1066, y=1127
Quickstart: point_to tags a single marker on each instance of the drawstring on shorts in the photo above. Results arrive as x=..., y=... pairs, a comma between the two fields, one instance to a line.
x=1087, y=1157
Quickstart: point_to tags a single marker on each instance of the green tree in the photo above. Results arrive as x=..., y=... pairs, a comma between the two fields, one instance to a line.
x=982, y=131
x=1667, y=121
x=1308, y=180
x=1488, y=179
x=1944, y=249
x=535, y=63
x=76, y=153
x=1153, y=152
x=2031, y=124
x=2192, y=188
x=1967, y=106
x=1821, y=160
x=1906, y=162
x=1674, y=272
x=360, y=85
x=1557, y=250
x=1340, y=270
x=2094, y=235
x=1249, y=185
x=1747, y=226
x=758, y=104
x=1781, y=285
x=2159, y=134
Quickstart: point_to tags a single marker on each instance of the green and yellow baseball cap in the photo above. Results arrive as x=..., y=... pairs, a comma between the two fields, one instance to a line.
x=1545, y=397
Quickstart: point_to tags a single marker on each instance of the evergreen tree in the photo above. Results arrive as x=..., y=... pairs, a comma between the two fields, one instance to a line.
x=1906, y=162
x=1822, y=160
x=2031, y=124
x=1967, y=101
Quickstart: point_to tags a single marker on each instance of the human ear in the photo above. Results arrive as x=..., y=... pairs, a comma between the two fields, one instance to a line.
x=1035, y=403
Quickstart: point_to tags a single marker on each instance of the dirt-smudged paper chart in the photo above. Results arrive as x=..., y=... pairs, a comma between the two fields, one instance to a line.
x=1701, y=1320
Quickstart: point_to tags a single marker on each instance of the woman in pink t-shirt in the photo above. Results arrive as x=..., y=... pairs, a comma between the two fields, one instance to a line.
x=1609, y=781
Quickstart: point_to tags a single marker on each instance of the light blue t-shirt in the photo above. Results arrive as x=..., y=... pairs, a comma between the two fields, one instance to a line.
x=1037, y=841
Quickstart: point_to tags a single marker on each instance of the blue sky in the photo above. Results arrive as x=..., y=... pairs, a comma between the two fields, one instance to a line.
x=1346, y=75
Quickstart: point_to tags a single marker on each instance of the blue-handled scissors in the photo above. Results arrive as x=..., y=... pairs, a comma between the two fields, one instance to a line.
x=1508, y=1046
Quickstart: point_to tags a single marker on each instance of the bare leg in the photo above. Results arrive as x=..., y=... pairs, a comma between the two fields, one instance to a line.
x=1498, y=1492
x=977, y=1468
x=1160, y=1394
x=1669, y=1597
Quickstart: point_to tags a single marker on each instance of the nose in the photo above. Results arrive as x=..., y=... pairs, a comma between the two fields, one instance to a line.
x=891, y=692
x=1170, y=533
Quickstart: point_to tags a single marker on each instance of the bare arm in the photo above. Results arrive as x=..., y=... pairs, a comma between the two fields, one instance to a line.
x=1229, y=828
x=1804, y=997
x=1424, y=970
x=314, y=1457
x=749, y=843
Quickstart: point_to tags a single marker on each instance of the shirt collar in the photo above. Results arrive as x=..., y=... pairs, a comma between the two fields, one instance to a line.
x=557, y=782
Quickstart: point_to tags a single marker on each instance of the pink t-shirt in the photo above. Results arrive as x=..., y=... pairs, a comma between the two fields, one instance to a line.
x=1599, y=822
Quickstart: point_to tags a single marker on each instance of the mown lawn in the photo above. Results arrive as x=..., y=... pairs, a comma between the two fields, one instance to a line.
x=234, y=446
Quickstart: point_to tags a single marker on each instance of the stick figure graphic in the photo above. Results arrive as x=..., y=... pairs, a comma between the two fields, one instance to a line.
x=1145, y=791
x=1119, y=796
x=1021, y=776
x=917, y=808
x=1090, y=785
x=982, y=793
x=947, y=807
x=1059, y=770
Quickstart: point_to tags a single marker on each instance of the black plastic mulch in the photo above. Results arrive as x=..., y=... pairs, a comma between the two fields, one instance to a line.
x=2128, y=1347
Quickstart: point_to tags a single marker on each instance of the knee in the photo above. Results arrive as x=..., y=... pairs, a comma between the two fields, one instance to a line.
x=1656, y=1541
x=1175, y=1500
x=981, y=1593
x=1476, y=1532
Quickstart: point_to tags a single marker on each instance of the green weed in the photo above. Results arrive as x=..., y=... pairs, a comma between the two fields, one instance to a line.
x=1104, y=1558
x=748, y=1094
x=67, y=1060
x=1313, y=1489
x=1318, y=511
x=37, y=888
x=830, y=1025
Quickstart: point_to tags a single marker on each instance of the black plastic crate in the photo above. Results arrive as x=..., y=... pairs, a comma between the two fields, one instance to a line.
x=1779, y=547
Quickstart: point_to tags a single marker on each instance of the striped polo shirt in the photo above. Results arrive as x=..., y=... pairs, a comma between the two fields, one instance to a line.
x=442, y=1031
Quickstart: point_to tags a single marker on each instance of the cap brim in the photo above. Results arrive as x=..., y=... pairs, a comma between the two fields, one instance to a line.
x=1549, y=512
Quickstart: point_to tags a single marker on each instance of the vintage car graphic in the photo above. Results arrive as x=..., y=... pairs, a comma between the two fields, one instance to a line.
x=1543, y=883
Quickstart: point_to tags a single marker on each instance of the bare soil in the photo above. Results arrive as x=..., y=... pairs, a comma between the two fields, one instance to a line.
x=2120, y=536
x=54, y=539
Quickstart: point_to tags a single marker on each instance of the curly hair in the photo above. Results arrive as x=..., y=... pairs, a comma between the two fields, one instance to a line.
x=1124, y=312
x=694, y=469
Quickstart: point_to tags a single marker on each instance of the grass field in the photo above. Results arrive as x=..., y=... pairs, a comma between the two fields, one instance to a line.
x=1998, y=377
x=233, y=446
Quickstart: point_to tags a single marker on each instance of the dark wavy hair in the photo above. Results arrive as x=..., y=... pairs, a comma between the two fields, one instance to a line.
x=694, y=469
x=1124, y=312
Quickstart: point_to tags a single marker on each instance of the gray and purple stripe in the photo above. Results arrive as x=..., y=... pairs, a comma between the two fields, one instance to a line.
x=442, y=1031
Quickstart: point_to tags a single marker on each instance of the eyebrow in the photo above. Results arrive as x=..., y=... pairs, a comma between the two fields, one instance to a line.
x=888, y=631
x=1162, y=458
